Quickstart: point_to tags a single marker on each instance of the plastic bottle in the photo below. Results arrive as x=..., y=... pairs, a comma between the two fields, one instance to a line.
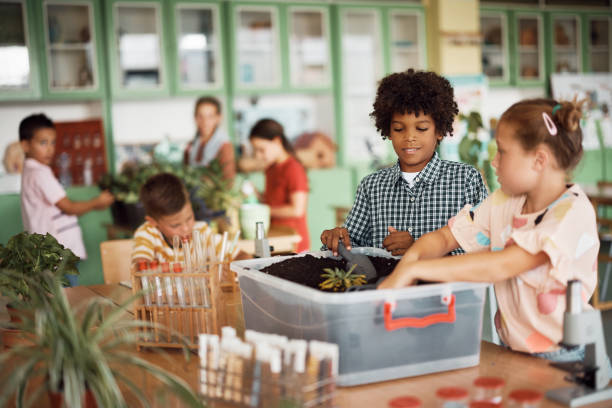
x=489, y=389
x=88, y=172
x=452, y=397
x=525, y=398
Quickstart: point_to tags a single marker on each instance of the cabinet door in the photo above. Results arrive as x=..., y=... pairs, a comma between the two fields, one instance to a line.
x=309, y=53
x=137, y=51
x=600, y=40
x=18, y=75
x=495, y=66
x=529, y=49
x=361, y=56
x=566, y=55
x=70, y=49
x=257, y=47
x=198, y=47
x=406, y=35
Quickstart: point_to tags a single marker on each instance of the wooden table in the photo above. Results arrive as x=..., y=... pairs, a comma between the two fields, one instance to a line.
x=519, y=371
x=282, y=238
x=601, y=196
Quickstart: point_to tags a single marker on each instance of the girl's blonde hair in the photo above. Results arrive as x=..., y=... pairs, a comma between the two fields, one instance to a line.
x=563, y=136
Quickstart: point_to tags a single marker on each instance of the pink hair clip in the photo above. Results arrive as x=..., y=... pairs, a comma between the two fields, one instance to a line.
x=550, y=125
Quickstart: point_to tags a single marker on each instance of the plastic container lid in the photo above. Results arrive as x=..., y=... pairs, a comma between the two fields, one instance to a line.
x=407, y=401
x=484, y=404
x=452, y=393
x=525, y=395
x=489, y=382
x=177, y=267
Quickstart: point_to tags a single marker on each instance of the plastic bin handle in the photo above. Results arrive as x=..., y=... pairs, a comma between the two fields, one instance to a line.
x=418, y=322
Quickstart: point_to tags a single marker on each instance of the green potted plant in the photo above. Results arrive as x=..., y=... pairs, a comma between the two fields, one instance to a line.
x=337, y=279
x=28, y=256
x=80, y=360
x=475, y=152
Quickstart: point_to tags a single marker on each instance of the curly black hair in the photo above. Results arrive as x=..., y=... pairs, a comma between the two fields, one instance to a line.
x=415, y=92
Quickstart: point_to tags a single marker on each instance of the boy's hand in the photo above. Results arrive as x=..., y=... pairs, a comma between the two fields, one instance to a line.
x=330, y=238
x=104, y=200
x=397, y=242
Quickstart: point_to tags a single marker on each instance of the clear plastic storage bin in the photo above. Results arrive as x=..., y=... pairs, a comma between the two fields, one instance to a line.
x=382, y=334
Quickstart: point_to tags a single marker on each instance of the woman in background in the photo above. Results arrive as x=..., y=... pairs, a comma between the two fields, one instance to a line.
x=210, y=141
x=286, y=189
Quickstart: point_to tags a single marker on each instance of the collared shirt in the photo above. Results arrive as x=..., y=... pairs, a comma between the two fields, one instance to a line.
x=40, y=192
x=384, y=199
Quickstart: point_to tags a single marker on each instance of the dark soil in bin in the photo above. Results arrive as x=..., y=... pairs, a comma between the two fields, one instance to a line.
x=306, y=270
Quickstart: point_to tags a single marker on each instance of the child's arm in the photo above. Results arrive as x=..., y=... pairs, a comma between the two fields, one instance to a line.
x=476, y=267
x=296, y=208
x=81, y=207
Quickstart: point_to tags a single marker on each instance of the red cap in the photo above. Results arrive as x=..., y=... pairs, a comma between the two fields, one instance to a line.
x=489, y=382
x=177, y=267
x=142, y=265
x=154, y=264
x=452, y=393
x=165, y=267
x=405, y=402
x=526, y=395
x=484, y=404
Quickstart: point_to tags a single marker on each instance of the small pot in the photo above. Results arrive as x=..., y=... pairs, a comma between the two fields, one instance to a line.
x=57, y=399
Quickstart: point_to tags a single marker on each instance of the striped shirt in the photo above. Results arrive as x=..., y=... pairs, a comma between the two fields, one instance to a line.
x=149, y=243
x=385, y=199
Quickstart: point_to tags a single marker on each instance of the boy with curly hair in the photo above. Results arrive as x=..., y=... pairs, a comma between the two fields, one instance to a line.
x=397, y=205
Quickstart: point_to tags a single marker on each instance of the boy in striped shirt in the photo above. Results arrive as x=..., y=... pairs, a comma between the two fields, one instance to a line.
x=168, y=214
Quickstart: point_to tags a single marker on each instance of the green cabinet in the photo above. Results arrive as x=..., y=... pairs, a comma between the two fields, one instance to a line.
x=72, y=57
x=371, y=42
x=524, y=46
x=597, y=40
x=18, y=60
x=197, y=44
x=137, y=48
x=280, y=47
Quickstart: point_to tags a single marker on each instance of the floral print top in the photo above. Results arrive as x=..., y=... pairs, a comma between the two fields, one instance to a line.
x=531, y=305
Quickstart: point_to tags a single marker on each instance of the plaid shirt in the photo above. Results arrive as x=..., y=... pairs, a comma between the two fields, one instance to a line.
x=384, y=199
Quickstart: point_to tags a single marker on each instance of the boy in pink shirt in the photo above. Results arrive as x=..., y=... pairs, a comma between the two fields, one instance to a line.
x=44, y=205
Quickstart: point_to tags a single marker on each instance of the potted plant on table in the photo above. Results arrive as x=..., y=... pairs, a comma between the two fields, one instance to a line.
x=81, y=361
x=28, y=256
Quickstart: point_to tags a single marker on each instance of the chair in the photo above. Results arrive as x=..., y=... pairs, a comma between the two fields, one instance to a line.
x=602, y=201
x=116, y=260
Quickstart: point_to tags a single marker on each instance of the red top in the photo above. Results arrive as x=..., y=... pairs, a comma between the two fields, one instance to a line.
x=405, y=402
x=452, y=393
x=526, y=395
x=489, y=382
x=282, y=180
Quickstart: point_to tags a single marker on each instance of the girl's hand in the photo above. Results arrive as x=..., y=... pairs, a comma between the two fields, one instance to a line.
x=397, y=242
x=330, y=238
x=399, y=278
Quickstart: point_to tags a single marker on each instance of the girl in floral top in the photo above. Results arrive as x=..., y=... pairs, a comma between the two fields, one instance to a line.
x=529, y=238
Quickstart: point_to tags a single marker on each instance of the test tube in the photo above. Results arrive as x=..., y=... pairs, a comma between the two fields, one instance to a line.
x=189, y=269
x=154, y=268
x=142, y=268
x=177, y=267
x=200, y=262
x=165, y=267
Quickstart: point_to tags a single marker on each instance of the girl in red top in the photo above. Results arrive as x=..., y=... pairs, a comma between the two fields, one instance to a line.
x=286, y=183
